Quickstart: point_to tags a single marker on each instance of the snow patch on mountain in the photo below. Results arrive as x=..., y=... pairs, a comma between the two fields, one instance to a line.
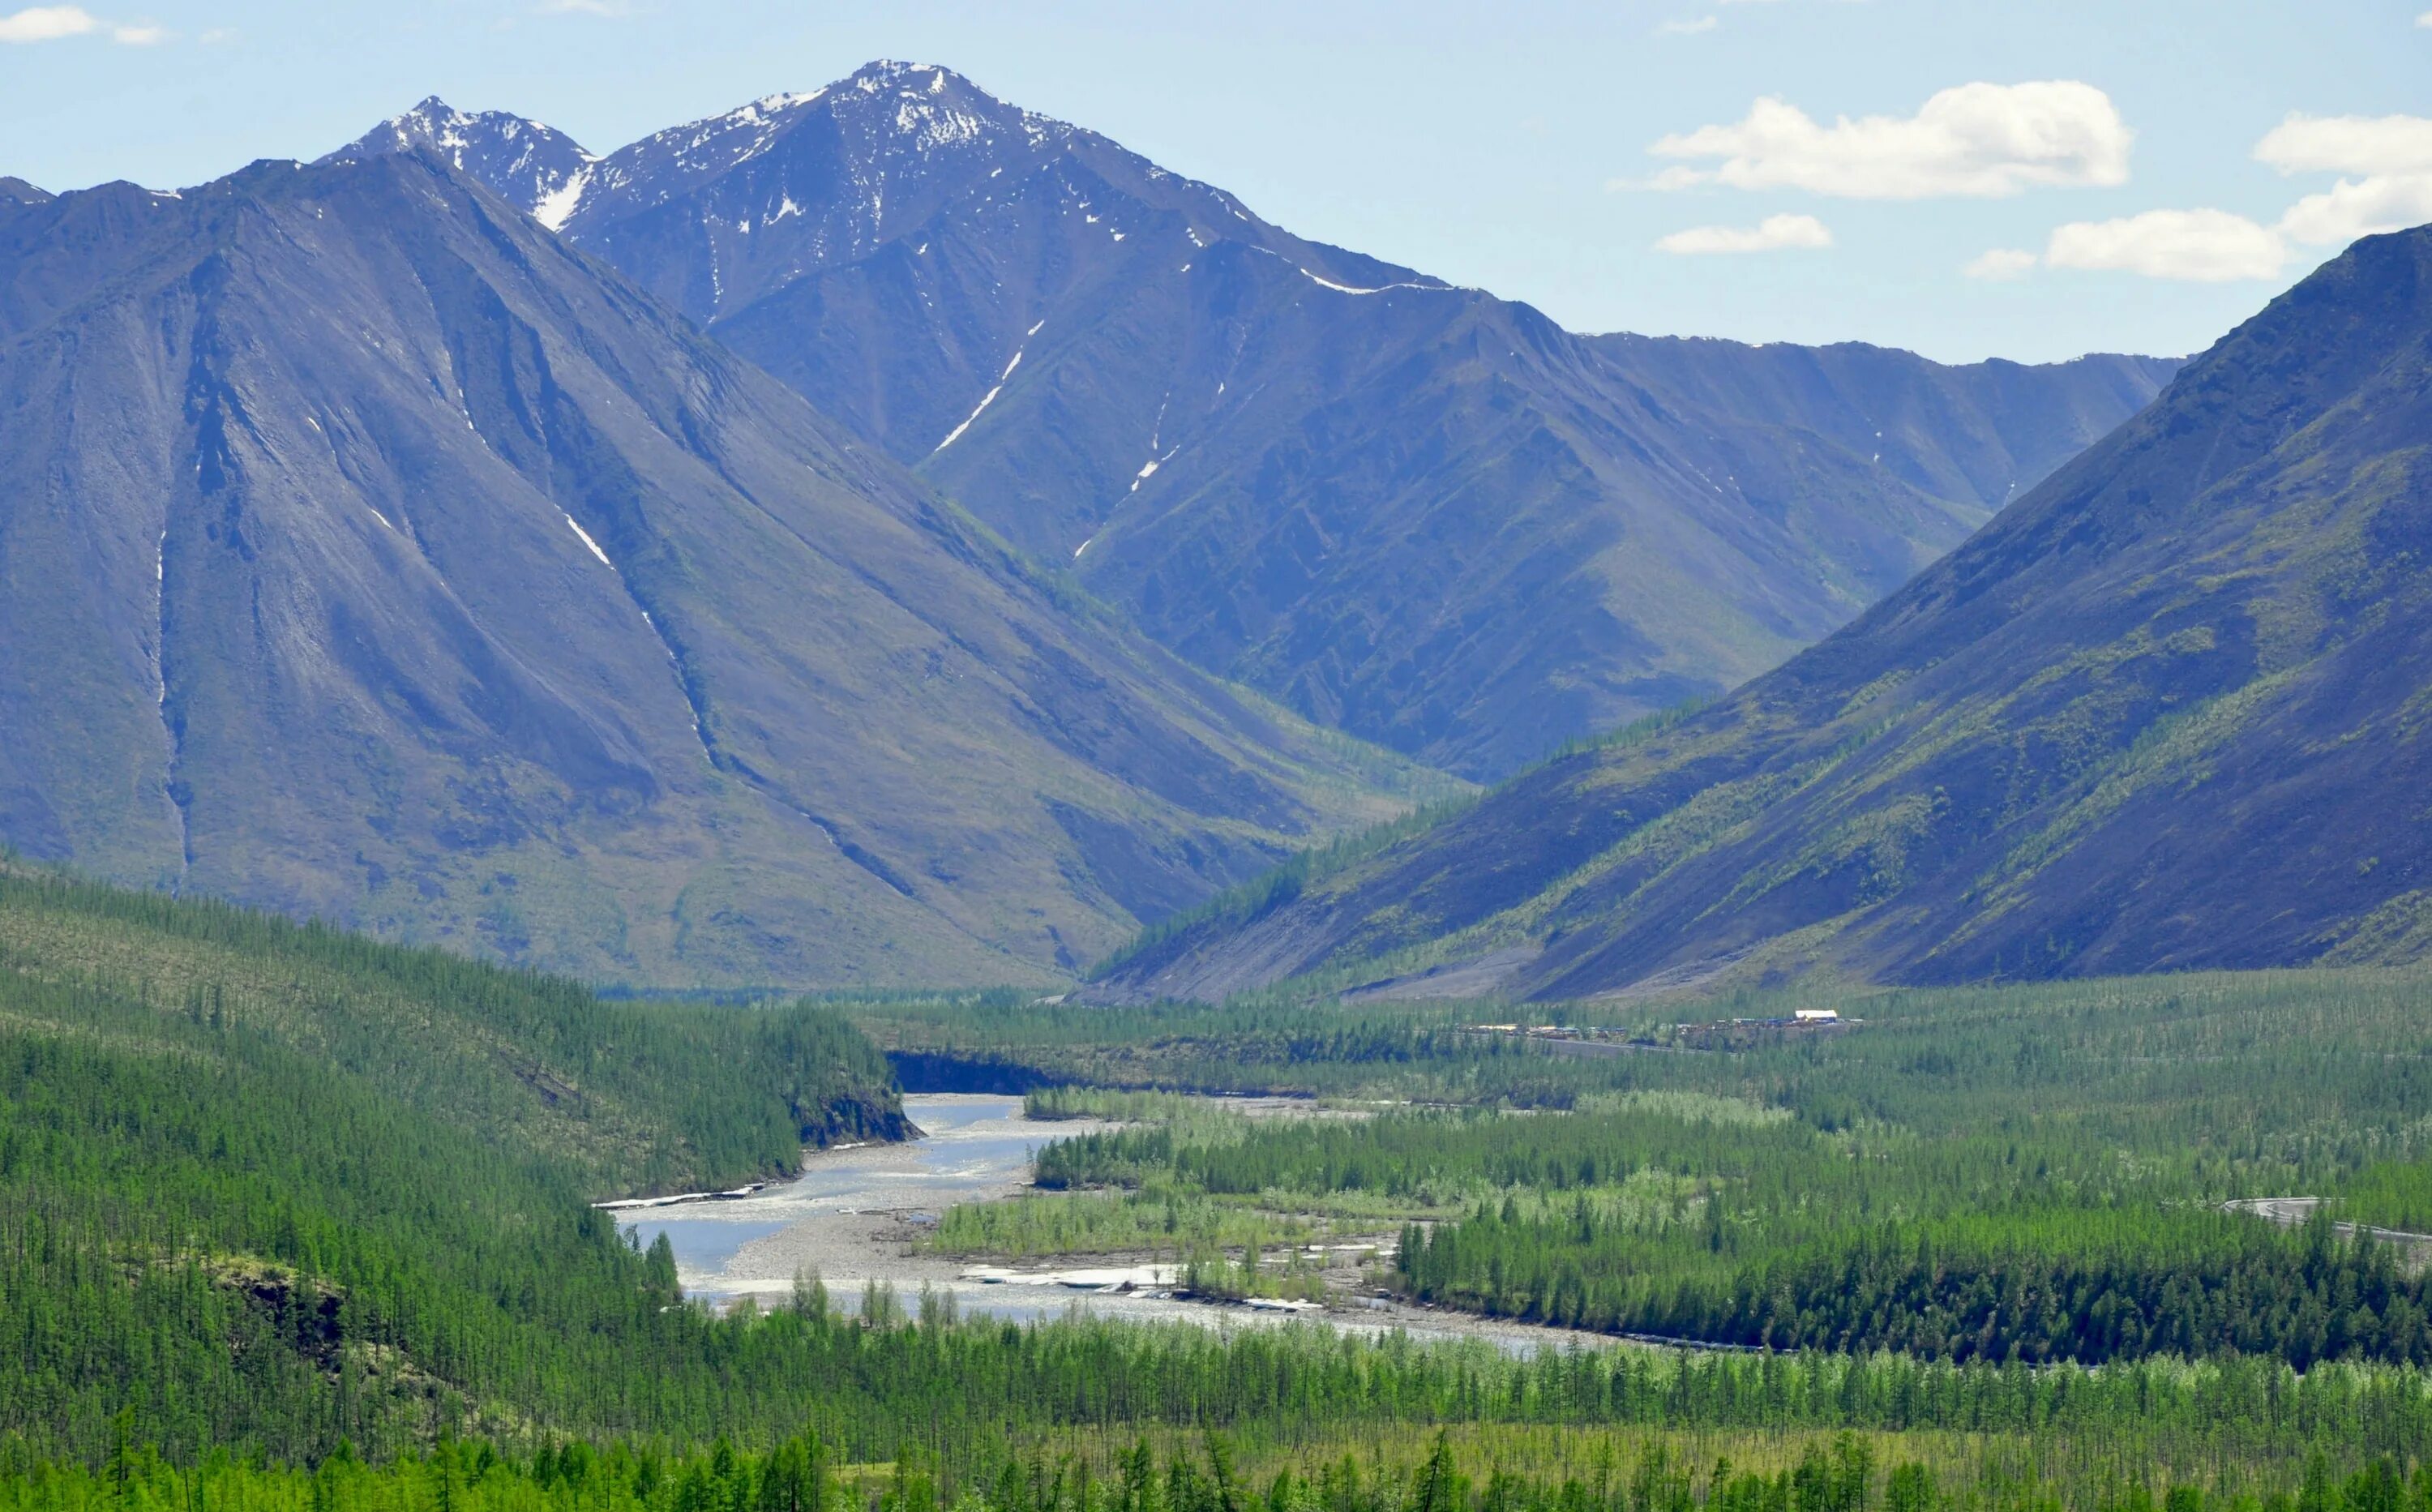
x=1148, y=470
x=578, y=530
x=1382, y=288
x=986, y=399
x=559, y=204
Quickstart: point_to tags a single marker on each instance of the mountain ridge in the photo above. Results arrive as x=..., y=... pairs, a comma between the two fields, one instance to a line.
x=2155, y=716
x=1329, y=477
x=407, y=566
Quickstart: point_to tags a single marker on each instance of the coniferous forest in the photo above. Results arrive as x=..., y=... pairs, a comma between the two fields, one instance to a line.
x=294, y=1219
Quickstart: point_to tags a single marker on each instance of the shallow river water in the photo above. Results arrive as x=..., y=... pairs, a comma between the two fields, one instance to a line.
x=853, y=1214
x=977, y=1148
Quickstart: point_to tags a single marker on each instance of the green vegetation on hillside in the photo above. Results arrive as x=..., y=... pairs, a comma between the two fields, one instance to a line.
x=1496, y=1470
x=638, y=1099
x=1248, y=902
x=270, y=1185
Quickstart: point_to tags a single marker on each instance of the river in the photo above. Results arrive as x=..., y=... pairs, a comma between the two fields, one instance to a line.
x=978, y=1148
x=854, y=1217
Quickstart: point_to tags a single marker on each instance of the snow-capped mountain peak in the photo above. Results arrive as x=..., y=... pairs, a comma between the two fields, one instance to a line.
x=724, y=211
x=539, y=168
x=842, y=169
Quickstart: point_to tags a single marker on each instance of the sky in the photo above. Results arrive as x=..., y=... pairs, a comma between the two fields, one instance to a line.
x=1969, y=178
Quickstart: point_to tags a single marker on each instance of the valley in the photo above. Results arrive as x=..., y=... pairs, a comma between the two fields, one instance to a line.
x=1667, y=1195
x=1831, y=1228
x=871, y=805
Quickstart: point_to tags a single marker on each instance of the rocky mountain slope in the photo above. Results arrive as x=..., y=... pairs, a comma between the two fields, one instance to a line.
x=368, y=553
x=2168, y=711
x=1419, y=513
x=538, y=168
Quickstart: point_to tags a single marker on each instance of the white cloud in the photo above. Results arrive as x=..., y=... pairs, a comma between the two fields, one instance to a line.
x=2193, y=246
x=52, y=23
x=2348, y=144
x=2354, y=207
x=47, y=23
x=1687, y=28
x=1771, y=234
x=2389, y=155
x=1977, y=140
x=2216, y=246
x=2424, y=20
x=2001, y=264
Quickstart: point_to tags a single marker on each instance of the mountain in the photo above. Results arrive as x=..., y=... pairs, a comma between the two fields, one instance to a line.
x=2166, y=712
x=366, y=553
x=1416, y=512
x=538, y=169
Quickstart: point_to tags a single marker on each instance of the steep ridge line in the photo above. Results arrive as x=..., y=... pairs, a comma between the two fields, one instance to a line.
x=1413, y=511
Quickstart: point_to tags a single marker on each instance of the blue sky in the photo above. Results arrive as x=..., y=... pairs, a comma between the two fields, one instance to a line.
x=2029, y=179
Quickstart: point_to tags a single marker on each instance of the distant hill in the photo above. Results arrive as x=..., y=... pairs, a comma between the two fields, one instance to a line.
x=367, y=553
x=1422, y=513
x=274, y=1185
x=2167, y=711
